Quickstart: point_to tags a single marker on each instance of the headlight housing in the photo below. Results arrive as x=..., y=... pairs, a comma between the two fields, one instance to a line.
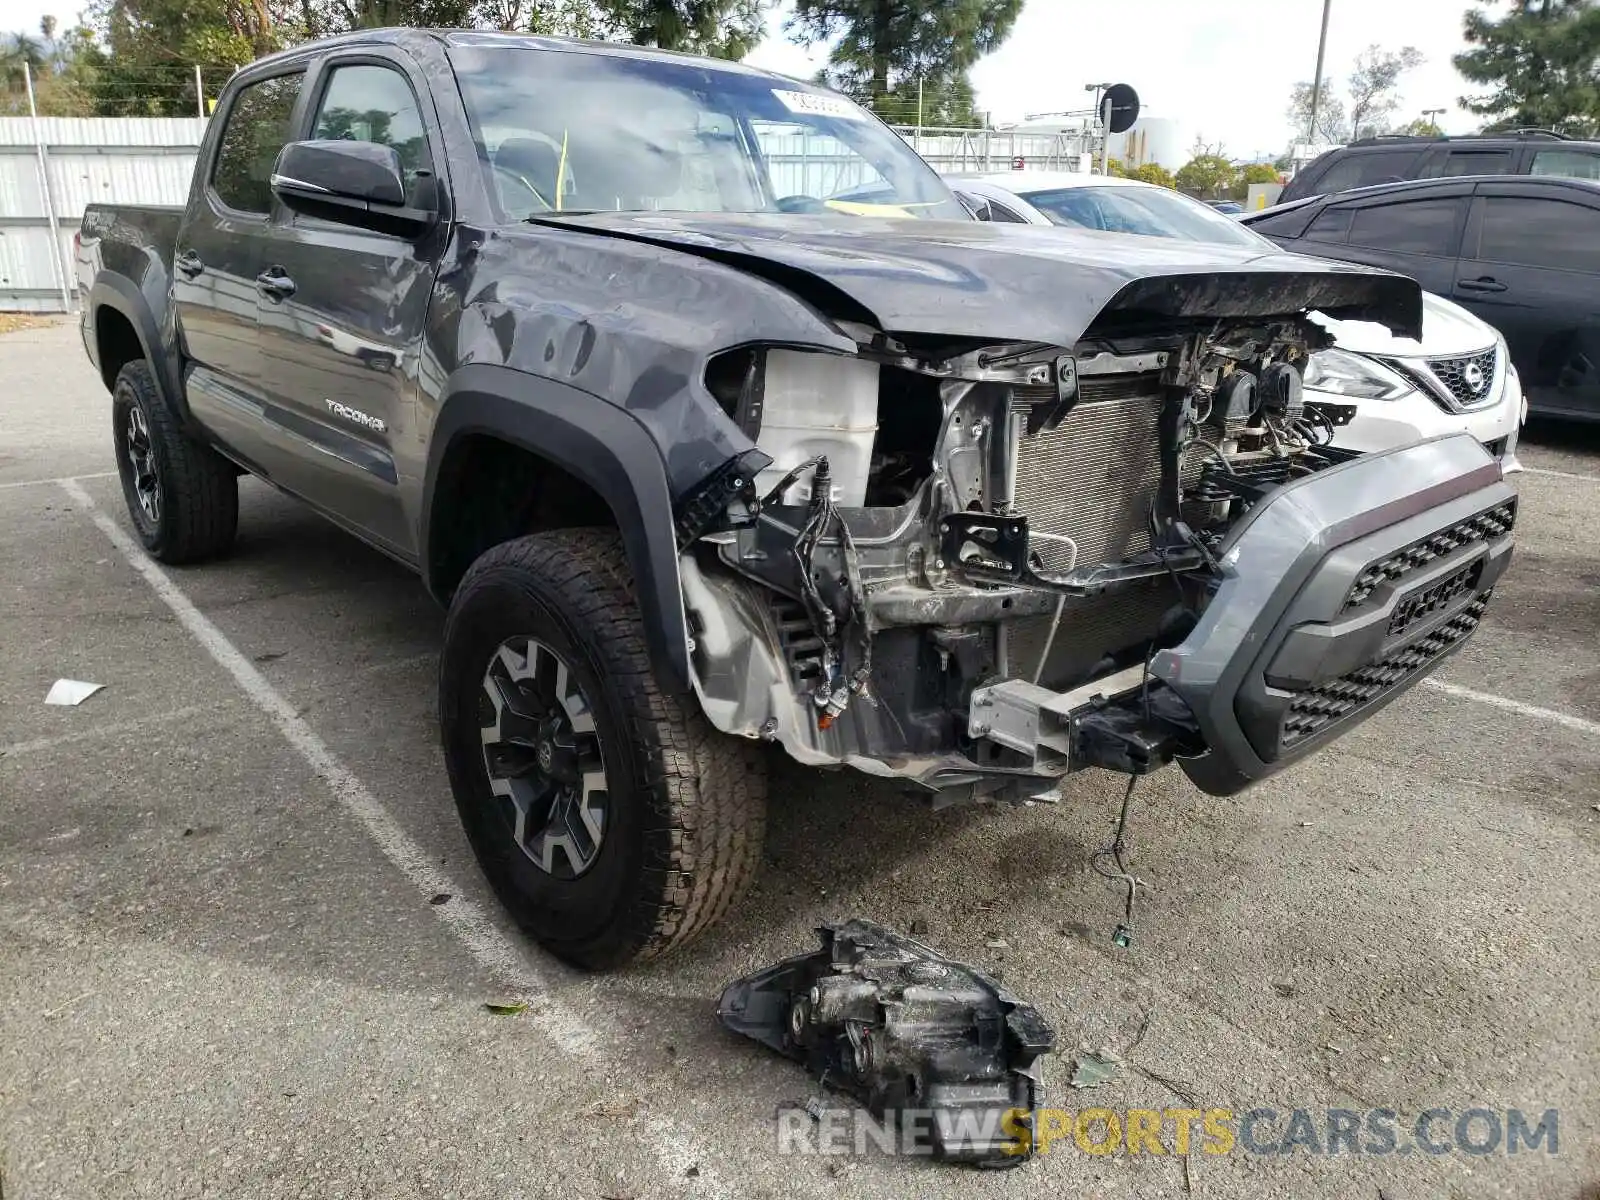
x=1346, y=374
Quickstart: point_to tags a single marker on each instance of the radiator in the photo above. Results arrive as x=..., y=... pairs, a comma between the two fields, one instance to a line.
x=1093, y=479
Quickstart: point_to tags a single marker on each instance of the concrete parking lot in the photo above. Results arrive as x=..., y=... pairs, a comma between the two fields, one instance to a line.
x=245, y=951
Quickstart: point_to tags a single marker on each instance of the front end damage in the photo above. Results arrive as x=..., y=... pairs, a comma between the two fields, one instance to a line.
x=980, y=566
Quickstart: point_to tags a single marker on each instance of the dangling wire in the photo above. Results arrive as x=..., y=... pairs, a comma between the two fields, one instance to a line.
x=1114, y=852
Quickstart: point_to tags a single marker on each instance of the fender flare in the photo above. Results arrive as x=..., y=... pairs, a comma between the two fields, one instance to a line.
x=121, y=294
x=598, y=443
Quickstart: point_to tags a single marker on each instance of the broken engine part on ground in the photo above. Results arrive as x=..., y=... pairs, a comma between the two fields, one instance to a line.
x=904, y=1030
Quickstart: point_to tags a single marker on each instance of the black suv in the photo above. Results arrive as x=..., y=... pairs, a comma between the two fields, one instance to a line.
x=1521, y=252
x=1390, y=159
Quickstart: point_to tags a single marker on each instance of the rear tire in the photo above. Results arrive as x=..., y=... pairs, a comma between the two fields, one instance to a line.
x=548, y=704
x=182, y=496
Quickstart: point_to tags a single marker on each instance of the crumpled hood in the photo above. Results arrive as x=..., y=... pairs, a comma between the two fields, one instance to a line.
x=1020, y=282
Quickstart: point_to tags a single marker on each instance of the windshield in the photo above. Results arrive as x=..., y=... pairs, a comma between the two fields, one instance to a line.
x=563, y=131
x=1151, y=212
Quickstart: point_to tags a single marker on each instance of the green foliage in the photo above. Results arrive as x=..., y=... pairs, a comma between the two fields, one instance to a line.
x=1420, y=127
x=1116, y=168
x=883, y=48
x=1370, y=99
x=1259, y=173
x=63, y=70
x=1153, y=173
x=721, y=28
x=1539, y=60
x=1208, y=176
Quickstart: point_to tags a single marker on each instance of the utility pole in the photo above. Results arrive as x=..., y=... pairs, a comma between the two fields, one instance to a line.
x=1316, y=82
x=62, y=272
x=199, y=94
x=1102, y=112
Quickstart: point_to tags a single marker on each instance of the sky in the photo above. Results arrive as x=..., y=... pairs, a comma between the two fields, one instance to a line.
x=1223, y=68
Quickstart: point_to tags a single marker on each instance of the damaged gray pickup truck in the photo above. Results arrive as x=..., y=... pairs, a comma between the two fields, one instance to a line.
x=716, y=421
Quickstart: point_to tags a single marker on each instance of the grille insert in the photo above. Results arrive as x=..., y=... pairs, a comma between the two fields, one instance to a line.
x=1491, y=523
x=1470, y=379
x=1313, y=710
x=1434, y=599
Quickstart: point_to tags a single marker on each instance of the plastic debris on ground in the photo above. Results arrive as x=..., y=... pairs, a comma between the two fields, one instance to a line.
x=71, y=691
x=1093, y=1069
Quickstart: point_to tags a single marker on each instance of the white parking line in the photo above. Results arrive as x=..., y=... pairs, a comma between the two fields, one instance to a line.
x=1566, y=720
x=498, y=952
x=108, y=730
x=471, y=925
x=60, y=480
x=1560, y=474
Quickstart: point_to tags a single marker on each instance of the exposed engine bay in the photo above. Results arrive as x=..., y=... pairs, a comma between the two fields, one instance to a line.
x=941, y=516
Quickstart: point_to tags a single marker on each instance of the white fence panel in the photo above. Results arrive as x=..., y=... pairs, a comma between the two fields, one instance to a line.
x=121, y=160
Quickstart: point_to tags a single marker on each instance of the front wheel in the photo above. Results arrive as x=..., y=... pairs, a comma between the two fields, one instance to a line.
x=613, y=821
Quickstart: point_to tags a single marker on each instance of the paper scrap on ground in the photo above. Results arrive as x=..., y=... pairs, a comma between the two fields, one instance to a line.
x=71, y=691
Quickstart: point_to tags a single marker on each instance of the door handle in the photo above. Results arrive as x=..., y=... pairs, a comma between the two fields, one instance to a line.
x=1485, y=283
x=274, y=284
x=189, y=264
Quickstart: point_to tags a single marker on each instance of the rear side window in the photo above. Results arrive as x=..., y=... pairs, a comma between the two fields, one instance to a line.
x=257, y=128
x=1477, y=162
x=1568, y=164
x=1364, y=170
x=1331, y=225
x=1540, y=233
x=1413, y=227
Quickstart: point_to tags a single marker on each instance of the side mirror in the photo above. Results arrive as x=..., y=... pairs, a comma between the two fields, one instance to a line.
x=977, y=208
x=354, y=183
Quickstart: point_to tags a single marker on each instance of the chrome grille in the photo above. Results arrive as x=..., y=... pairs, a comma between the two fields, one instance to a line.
x=1093, y=478
x=1470, y=380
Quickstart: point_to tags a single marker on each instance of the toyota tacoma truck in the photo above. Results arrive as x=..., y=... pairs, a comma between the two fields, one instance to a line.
x=703, y=450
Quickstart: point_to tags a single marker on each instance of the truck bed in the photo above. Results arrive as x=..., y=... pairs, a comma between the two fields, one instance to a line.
x=122, y=234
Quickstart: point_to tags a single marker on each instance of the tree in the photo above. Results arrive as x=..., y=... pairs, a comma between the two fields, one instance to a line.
x=882, y=49
x=1371, y=97
x=1373, y=85
x=1153, y=173
x=1333, y=120
x=1208, y=176
x=62, y=68
x=721, y=28
x=1539, y=60
x=1252, y=173
x=1420, y=127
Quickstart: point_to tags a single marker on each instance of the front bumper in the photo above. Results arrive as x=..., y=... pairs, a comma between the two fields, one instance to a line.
x=1381, y=425
x=1338, y=593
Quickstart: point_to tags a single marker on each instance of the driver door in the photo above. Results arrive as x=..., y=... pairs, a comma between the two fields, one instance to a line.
x=344, y=311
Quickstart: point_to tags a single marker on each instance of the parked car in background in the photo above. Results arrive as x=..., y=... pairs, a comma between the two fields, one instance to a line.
x=1231, y=207
x=1520, y=252
x=1403, y=389
x=1391, y=159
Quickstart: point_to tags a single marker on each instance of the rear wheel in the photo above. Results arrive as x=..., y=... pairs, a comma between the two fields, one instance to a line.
x=613, y=821
x=182, y=496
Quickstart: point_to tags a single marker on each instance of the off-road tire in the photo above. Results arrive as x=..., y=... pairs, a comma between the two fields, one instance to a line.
x=686, y=804
x=198, y=509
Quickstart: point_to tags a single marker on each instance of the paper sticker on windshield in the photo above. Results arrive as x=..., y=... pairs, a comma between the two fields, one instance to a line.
x=814, y=105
